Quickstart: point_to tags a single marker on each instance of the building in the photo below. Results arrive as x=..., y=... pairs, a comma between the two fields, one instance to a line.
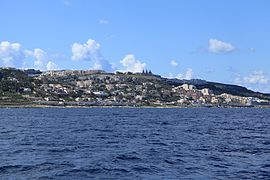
x=188, y=87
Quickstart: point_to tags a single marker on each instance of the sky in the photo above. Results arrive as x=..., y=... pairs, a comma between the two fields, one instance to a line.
x=223, y=41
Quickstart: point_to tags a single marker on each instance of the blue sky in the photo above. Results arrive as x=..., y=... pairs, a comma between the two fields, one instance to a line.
x=225, y=41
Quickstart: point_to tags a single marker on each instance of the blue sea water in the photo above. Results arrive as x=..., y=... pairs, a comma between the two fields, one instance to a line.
x=134, y=143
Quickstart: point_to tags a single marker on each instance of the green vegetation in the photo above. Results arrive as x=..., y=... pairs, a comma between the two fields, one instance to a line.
x=25, y=87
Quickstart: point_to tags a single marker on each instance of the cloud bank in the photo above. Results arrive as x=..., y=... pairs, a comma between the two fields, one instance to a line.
x=11, y=54
x=257, y=81
x=257, y=77
x=41, y=59
x=186, y=75
x=131, y=64
x=90, y=51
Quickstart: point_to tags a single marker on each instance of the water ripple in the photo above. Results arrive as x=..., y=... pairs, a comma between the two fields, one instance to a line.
x=123, y=143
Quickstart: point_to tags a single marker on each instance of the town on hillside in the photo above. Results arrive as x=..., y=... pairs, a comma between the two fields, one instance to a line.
x=99, y=88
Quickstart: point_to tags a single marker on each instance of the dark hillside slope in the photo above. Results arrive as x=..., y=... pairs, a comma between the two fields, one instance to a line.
x=219, y=88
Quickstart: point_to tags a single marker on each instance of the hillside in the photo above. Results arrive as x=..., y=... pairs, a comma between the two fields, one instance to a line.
x=93, y=87
x=219, y=88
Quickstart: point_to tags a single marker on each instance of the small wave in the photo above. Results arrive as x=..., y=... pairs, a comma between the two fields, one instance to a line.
x=266, y=166
x=87, y=170
x=212, y=158
x=176, y=161
x=158, y=143
x=60, y=150
x=143, y=169
x=45, y=178
x=266, y=142
x=127, y=157
x=169, y=162
x=7, y=132
x=17, y=151
x=79, y=130
x=221, y=166
x=11, y=168
x=117, y=170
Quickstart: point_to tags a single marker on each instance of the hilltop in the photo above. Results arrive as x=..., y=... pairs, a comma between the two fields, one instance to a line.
x=99, y=88
x=220, y=88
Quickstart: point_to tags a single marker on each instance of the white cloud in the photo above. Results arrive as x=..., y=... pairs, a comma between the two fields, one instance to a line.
x=90, y=51
x=174, y=63
x=97, y=66
x=41, y=59
x=11, y=54
x=103, y=21
x=217, y=46
x=52, y=66
x=131, y=64
x=257, y=77
x=86, y=51
x=257, y=81
x=187, y=75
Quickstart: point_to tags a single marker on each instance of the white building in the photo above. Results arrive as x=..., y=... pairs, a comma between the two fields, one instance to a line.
x=206, y=92
x=188, y=87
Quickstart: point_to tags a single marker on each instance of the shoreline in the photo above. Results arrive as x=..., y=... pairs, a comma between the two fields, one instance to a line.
x=9, y=106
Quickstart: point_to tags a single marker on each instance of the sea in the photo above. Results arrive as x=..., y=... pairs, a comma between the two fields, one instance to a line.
x=134, y=143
